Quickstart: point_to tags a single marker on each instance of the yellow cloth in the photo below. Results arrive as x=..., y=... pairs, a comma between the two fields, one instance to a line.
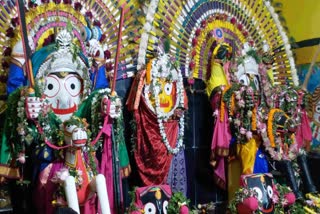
x=217, y=78
x=234, y=173
x=247, y=154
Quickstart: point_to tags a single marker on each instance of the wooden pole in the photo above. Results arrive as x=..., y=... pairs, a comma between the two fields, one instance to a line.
x=308, y=75
x=115, y=71
x=25, y=42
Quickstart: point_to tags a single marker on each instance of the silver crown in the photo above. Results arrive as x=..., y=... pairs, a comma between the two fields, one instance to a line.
x=64, y=59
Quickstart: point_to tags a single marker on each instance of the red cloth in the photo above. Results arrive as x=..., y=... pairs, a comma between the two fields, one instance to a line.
x=304, y=132
x=151, y=155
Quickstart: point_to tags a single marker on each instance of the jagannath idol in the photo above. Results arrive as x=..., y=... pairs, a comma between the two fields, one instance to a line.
x=53, y=127
x=158, y=101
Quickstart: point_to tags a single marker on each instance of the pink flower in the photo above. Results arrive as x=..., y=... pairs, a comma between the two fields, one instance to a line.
x=184, y=209
x=250, y=90
x=251, y=203
x=275, y=198
x=21, y=158
x=310, y=202
x=262, y=126
x=190, y=81
x=60, y=176
x=238, y=95
x=241, y=103
x=290, y=197
x=249, y=135
x=284, y=202
x=242, y=130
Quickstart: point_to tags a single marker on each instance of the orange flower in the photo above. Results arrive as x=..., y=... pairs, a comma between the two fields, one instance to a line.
x=254, y=119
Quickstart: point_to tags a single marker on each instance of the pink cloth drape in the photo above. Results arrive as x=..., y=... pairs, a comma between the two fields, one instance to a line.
x=220, y=147
x=106, y=164
x=304, y=132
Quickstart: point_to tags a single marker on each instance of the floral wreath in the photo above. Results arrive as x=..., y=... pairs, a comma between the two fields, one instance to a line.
x=271, y=141
x=163, y=68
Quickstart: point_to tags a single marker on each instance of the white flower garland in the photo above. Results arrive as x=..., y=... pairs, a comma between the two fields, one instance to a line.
x=145, y=35
x=286, y=42
x=162, y=63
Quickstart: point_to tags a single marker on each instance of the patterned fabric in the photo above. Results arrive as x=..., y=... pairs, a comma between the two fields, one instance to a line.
x=177, y=177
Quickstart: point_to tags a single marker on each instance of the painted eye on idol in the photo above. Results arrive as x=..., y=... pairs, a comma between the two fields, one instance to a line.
x=318, y=108
x=256, y=82
x=244, y=79
x=149, y=208
x=73, y=85
x=168, y=88
x=52, y=86
x=259, y=193
x=270, y=191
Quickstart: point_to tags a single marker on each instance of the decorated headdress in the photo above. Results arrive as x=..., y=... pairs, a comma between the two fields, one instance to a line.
x=196, y=27
x=84, y=19
x=249, y=62
x=65, y=59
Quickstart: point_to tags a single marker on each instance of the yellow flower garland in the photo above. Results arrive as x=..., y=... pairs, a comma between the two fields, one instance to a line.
x=270, y=126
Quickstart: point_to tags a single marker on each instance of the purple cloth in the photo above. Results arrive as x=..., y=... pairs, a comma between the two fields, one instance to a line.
x=177, y=178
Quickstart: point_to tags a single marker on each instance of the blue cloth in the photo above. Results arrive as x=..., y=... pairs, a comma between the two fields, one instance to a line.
x=315, y=143
x=39, y=57
x=16, y=78
x=99, y=78
x=261, y=163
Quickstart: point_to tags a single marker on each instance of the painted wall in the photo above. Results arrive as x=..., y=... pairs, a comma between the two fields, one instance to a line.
x=302, y=17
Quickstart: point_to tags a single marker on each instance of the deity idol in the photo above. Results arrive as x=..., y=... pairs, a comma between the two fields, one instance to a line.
x=56, y=117
x=158, y=101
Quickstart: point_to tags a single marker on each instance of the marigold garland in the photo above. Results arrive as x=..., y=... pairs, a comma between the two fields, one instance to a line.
x=254, y=119
x=232, y=105
x=270, y=126
x=148, y=72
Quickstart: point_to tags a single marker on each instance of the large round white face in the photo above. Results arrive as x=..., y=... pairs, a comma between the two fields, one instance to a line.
x=316, y=113
x=63, y=94
x=248, y=73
